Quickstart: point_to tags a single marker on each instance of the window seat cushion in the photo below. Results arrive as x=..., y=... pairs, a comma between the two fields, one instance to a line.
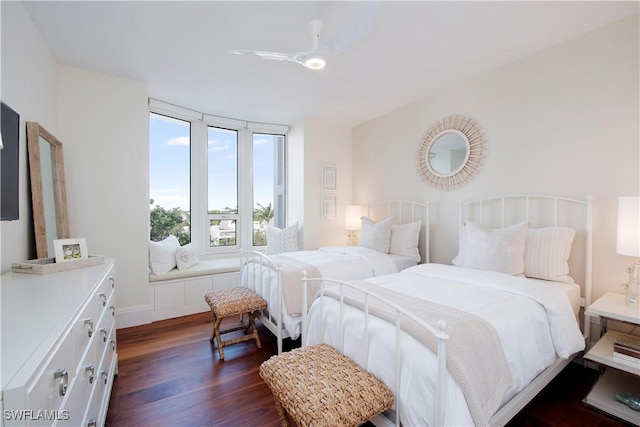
x=202, y=268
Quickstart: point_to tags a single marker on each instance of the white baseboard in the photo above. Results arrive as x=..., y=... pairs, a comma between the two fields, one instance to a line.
x=133, y=316
x=177, y=312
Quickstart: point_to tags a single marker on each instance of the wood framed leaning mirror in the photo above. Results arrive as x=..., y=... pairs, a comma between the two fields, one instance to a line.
x=48, y=188
x=452, y=152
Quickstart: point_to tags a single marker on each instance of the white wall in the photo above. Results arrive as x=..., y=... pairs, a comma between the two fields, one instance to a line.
x=295, y=178
x=562, y=122
x=325, y=145
x=103, y=122
x=28, y=75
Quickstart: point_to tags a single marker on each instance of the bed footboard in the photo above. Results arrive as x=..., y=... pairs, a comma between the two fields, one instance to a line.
x=261, y=274
x=372, y=305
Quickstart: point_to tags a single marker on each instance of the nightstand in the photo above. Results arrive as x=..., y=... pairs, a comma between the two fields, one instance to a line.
x=618, y=376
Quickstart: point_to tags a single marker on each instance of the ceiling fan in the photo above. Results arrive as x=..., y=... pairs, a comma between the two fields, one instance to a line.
x=316, y=58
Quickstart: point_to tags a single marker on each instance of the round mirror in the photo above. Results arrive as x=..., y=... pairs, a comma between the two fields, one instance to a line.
x=448, y=153
x=452, y=152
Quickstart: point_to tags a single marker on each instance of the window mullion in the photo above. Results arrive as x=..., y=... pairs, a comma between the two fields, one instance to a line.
x=199, y=227
x=279, y=181
x=245, y=186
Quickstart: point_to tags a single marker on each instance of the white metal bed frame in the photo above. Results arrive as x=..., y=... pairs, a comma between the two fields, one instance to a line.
x=475, y=210
x=513, y=406
x=403, y=211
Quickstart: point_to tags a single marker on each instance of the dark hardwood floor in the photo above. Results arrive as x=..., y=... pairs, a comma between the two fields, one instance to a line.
x=170, y=375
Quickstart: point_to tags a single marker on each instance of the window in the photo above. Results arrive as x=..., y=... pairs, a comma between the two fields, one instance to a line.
x=169, y=177
x=224, y=186
x=268, y=184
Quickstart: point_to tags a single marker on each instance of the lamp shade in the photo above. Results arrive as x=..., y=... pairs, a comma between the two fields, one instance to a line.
x=628, y=242
x=352, y=217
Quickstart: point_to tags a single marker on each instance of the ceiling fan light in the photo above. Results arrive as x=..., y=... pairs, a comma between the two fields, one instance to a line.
x=315, y=62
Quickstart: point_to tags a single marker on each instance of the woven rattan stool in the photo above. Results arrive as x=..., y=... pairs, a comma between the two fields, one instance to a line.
x=233, y=302
x=319, y=386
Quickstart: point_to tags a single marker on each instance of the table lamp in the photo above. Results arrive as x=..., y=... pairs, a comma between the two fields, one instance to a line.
x=352, y=223
x=628, y=243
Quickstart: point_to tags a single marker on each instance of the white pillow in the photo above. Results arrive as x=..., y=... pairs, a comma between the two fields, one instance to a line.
x=162, y=254
x=546, y=253
x=376, y=236
x=186, y=257
x=500, y=250
x=404, y=239
x=279, y=240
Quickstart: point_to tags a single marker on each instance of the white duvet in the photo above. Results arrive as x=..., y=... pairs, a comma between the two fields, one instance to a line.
x=339, y=262
x=534, y=320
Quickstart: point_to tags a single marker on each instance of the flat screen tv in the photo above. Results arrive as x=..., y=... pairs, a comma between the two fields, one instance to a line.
x=9, y=162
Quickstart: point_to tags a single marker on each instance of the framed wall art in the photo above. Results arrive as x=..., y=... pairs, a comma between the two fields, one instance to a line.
x=329, y=207
x=329, y=177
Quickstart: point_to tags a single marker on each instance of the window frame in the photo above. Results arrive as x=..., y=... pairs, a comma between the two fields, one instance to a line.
x=200, y=216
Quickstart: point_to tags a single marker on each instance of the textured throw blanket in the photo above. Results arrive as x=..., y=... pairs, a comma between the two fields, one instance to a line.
x=475, y=358
x=292, y=270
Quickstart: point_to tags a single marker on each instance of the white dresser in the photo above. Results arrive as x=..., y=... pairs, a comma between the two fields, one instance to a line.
x=58, y=349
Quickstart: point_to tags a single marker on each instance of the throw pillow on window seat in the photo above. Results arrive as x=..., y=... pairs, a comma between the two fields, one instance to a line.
x=186, y=257
x=162, y=257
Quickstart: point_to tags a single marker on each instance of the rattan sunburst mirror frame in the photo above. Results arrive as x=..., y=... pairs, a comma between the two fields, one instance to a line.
x=475, y=158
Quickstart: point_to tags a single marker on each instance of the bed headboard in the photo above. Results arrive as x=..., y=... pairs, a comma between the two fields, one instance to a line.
x=542, y=211
x=404, y=212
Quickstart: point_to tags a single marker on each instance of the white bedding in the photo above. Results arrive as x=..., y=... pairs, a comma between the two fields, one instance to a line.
x=341, y=262
x=534, y=320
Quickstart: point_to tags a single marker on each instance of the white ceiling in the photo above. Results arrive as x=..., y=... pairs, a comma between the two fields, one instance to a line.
x=182, y=49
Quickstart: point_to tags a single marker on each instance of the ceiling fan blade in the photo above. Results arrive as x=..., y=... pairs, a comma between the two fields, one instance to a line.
x=276, y=56
x=355, y=29
x=266, y=55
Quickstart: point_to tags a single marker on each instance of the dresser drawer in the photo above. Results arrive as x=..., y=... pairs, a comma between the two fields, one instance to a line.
x=98, y=306
x=104, y=335
x=102, y=392
x=76, y=404
x=85, y=327
x=44, y=395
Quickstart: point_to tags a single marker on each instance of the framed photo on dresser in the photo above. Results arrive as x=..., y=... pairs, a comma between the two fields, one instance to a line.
x=70, y=249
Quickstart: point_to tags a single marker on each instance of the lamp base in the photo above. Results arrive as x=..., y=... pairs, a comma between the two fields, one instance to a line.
x=632, y=289
x=352, y=239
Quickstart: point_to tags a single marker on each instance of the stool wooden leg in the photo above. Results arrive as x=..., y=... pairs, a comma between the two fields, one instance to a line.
x=216, y=329
x=252, y=323
x=213, y=330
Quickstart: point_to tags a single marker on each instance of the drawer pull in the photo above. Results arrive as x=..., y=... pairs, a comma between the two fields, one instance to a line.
x=92, y=423
x=105, y=376
x=64, y=380
x=113, y=310
x=103, y=297
x=113, y=282
x=90, y=323
x=113, y=345
x=103, y=332
x=91, y=370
